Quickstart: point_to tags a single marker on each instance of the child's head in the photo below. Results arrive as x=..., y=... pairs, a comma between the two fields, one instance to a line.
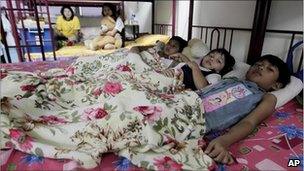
x=269, y=72
x=109, y=10
x=218, y=60
x=176, y=44
x=67, y=13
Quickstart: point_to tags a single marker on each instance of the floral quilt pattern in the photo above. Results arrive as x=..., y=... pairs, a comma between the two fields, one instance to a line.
x=112, y=103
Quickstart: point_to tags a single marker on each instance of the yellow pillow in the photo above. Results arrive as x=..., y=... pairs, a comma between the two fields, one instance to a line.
x=147, y=40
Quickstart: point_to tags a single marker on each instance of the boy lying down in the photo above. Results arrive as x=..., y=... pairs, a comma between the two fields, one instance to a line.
x=222, y=103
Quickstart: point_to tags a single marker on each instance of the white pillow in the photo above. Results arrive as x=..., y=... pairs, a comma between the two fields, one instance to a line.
x=283, y=95
x=239, y=70
x=289, y=92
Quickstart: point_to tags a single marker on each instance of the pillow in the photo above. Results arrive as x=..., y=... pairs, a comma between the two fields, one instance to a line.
x=239, y=70
x=283, y=95
x=147, y=40
x=289, y=92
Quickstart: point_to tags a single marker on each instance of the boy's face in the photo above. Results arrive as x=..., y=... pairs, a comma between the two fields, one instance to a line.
x=171, y=47
x=215, y=61
x=264, y=74
x=107, y=11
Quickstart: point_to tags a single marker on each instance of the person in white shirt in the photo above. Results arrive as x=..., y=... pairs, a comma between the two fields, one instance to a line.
x=111, y=26
x=198, y=74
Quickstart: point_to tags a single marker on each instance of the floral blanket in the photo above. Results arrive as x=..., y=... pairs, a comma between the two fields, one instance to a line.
x=113, y=103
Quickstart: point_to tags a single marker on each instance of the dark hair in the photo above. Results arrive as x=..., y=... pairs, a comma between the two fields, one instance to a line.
x=112, y=8
x=284, y=73
x=181, y=42
x=229, y=60
x=67, y=7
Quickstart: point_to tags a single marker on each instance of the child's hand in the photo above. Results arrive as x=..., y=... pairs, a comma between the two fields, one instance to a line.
x=135, y=49
x=217, y=150
x=179, y=57
x=169, y=72
x=193, y=65
x=175, y=56
x=111, y=33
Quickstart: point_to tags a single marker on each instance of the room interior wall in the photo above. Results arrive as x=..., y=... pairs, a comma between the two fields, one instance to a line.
x=284, y=15
x=238, y=14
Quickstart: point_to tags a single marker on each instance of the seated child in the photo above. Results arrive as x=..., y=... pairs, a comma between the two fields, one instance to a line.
x=67, y=30
x=241, y=104
x=111, y=25
x=163, y=51
x=209, y=69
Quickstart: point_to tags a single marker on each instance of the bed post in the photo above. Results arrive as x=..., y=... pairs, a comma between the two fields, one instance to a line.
x=259, y=25
x=153, y=17
x=3, y=40
x=13, y=23
x=190, y=19
x=173, y=16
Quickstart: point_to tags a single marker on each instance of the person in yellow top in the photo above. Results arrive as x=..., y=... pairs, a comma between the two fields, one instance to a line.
x=67, y=27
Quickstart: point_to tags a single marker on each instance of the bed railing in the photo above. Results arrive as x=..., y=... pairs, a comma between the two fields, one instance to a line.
x=165, y=29
x=228, y=32
x=19, y=11
x=223, y=37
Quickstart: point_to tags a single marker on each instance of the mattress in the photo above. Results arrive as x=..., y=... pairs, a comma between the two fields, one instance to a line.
x=80, y=50
x=275, y=142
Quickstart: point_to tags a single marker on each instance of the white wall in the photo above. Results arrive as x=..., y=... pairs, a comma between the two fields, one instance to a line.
x=163, y=12
x=284, y=15
x=238, y=14
x=143, y=12
x=224, y=13
x=182, y=17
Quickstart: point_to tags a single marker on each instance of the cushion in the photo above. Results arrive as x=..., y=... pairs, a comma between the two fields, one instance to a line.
x=283, y=95
x=239, y=70
x=289, y=92
x=147, y=40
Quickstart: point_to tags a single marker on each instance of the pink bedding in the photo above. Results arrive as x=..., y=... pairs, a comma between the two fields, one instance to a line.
x=270, y=147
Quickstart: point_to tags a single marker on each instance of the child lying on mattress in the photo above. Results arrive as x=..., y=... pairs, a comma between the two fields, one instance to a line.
x=241, y=104
x=209, y=69
x=163, y=51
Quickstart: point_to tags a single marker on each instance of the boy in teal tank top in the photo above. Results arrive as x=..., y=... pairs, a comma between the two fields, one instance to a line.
x=242, y=104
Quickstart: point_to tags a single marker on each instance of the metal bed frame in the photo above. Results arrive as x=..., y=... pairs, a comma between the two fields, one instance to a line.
x=34, y=8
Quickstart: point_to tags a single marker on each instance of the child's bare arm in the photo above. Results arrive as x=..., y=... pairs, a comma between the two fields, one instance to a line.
x=217, y=149
x=169, y=72
x=111, y=32
x=180, y=57
x=199, y=79
x=137, y=49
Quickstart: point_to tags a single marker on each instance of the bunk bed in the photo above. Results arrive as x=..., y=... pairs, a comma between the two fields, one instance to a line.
x=36, y=8
x=271, y=145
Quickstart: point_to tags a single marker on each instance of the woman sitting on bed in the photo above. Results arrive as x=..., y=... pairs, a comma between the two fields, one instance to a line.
x=244, y=104
x=67, y=30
